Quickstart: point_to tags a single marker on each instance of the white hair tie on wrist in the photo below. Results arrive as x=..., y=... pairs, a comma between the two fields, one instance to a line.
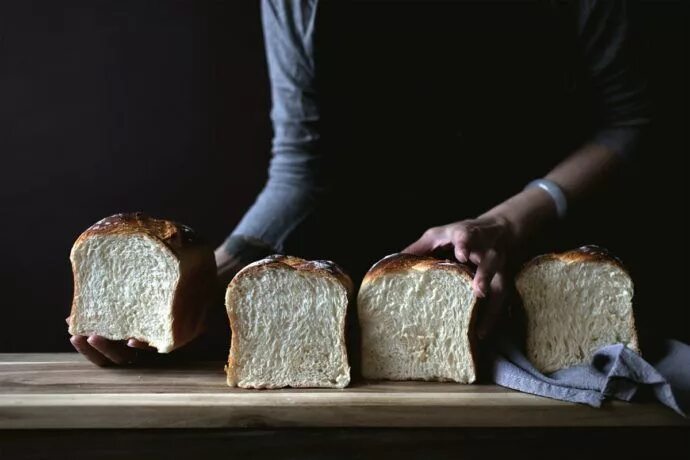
x=555, y=192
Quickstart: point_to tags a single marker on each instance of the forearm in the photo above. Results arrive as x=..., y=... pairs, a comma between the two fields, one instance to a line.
x=578, y=176
x=603, y=35
x=295, y=182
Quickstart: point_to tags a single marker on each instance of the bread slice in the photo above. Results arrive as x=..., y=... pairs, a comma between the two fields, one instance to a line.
x=142, y=278
x=287, y=317
x=575, y=303
x=417, y=316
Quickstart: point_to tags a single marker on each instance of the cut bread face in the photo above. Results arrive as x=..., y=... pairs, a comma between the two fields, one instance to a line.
x=288, y=324
x=133, y=281
x=575, y=303
x=417, y=316
x=126, y=285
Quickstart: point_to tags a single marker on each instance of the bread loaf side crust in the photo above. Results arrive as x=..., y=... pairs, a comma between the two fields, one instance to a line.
x=323, y=268
x=197, y=265
x=194, y=292
x=401, y=262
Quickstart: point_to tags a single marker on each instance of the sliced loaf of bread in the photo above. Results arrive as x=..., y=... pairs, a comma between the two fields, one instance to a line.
x=417, y=316
x=287, y=317
x=575, y=303
x=141, y=278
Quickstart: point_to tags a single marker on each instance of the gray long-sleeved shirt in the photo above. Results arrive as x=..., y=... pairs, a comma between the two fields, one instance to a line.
x=296, y=183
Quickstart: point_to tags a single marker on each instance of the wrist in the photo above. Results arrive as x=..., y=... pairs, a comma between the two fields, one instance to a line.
x=555, y=192
x=524, y=213
x=236, y=252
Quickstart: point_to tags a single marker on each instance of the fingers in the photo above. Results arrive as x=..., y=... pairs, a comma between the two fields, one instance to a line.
x=485, y=242
x=489, y=263
x=469, y=243
x=134, y=343
x=81, y=344
x=430, y=240
x=117, y=352
x=104, y=352
x=464, y=239
x=492, y=307
x=461, y=254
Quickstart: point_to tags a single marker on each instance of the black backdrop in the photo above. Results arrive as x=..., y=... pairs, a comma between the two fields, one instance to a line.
x=162, y=106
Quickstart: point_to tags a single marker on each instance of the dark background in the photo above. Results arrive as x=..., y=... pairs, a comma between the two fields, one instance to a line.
x=162, y=106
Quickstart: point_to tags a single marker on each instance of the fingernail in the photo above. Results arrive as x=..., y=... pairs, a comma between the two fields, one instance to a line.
x=130, y=343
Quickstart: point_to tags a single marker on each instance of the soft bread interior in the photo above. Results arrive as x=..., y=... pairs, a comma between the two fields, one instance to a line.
x=125, y=286
x=573, y=309
x=288, y=330
x=415, y=326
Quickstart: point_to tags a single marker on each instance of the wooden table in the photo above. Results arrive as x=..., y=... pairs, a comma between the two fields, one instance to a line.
x=49, y=397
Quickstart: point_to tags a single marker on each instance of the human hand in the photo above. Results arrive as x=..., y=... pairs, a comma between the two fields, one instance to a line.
x=486, y=242
x=227, y=265
x=105, y=352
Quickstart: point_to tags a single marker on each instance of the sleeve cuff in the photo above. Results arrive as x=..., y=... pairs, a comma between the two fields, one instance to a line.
x=623, y=140
x=246, y=249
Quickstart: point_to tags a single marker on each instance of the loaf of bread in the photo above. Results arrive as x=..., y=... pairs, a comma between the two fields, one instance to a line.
x=575, y=303
x=287, y=317
x=417, y=316
x=142, y=278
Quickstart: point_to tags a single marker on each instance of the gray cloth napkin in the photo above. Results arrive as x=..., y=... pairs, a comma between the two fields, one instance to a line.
x=614, y=372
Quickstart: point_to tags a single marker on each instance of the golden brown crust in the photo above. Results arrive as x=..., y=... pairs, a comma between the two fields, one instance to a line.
x=321, y=267
x=197, y=281
x=325, y=268
x=402, y=262
x=176, y=236
x=194, y=293
x=587, y=253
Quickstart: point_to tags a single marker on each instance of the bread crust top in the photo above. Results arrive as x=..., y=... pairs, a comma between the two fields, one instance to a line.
x=401, y=262
x=587, y=253
x=325, y=268
x=174, y=235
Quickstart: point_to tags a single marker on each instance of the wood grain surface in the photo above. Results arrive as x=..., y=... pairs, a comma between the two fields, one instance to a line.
x=63, y=391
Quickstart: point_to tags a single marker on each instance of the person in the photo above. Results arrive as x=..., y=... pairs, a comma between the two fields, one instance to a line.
x=299, y=179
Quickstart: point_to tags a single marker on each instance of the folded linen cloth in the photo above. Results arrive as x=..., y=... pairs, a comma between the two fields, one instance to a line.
x=614, y=371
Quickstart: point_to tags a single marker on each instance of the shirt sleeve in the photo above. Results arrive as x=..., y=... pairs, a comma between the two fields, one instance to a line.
x=295, y=179
x=603, y=29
